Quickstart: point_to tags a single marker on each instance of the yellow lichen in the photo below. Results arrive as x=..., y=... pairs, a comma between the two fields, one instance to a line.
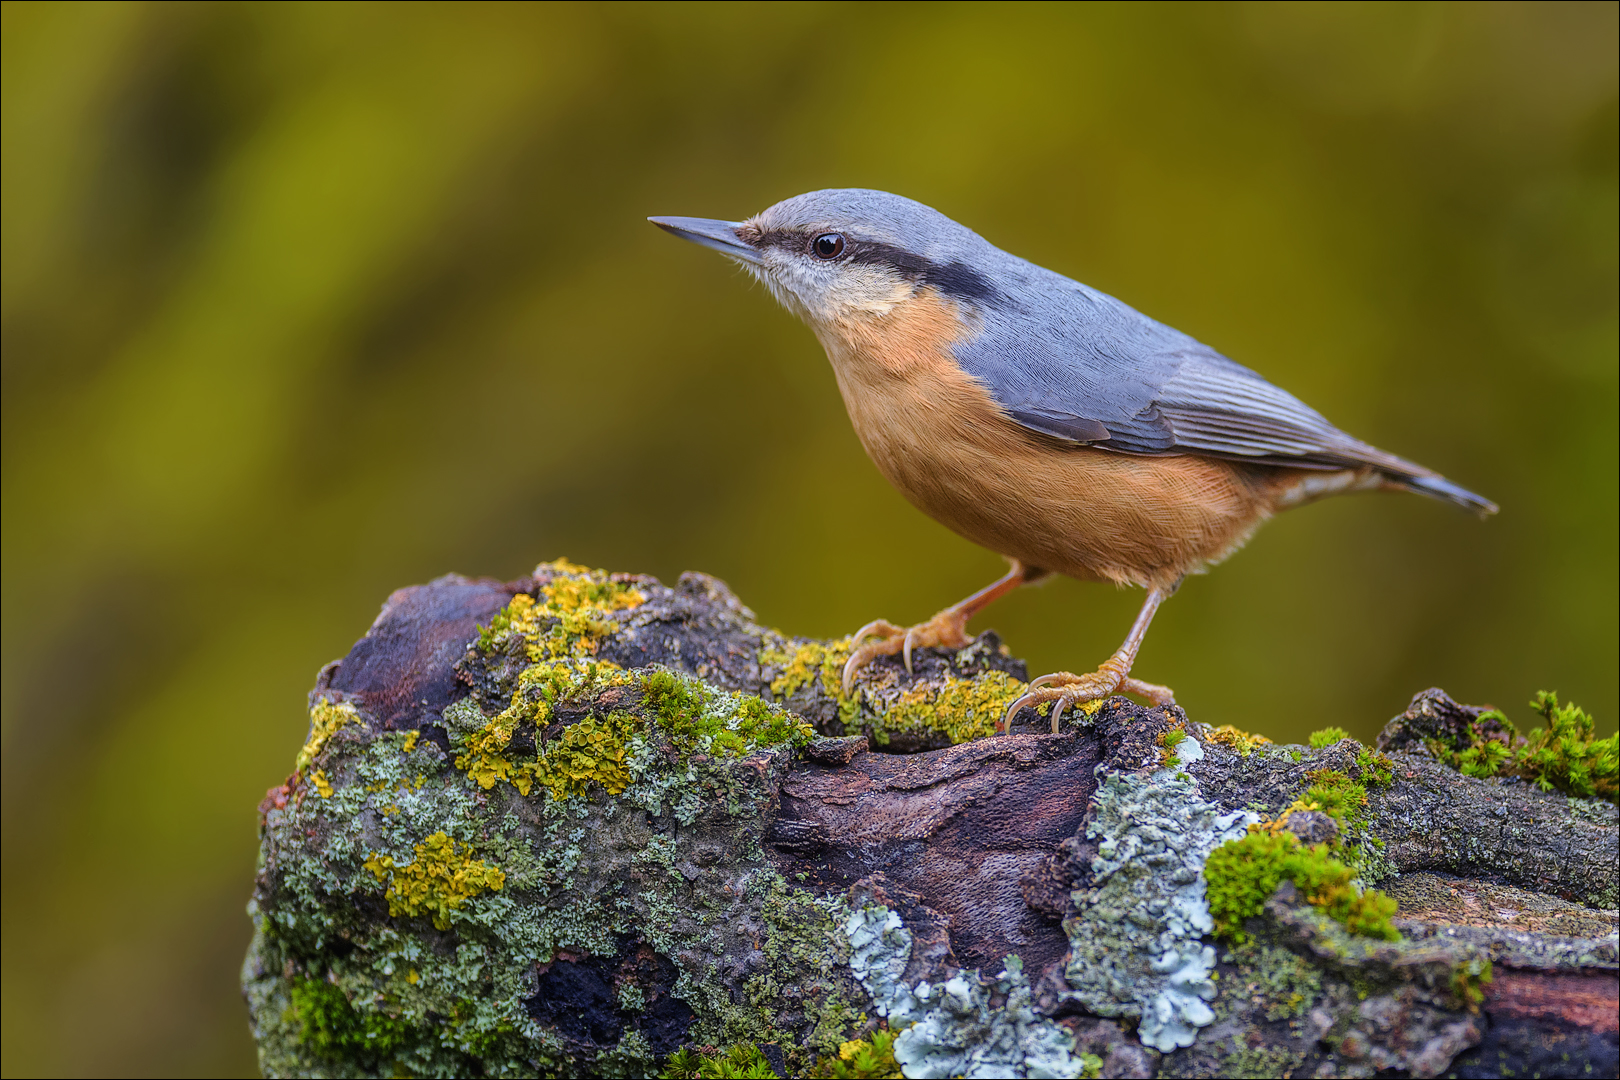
x=440, y=879
x=574, y=613
x=484, y=757
x=1236, y=739
x=410, y=741
x=961, y=709
x=589, y=752
x=322, y=785
x=806, y=662
x=484, y=760
x=324, y=721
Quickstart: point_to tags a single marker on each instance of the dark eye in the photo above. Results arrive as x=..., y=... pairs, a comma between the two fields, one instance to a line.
x=828, y=245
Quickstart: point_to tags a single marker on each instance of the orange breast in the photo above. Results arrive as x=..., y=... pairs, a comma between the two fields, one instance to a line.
x=938, y=436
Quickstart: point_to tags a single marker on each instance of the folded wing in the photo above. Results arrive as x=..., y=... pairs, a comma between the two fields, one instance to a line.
x=1104, y=375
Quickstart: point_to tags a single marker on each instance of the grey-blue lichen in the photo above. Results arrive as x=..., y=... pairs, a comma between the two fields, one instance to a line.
x=1136, y=942
x=966, y=1026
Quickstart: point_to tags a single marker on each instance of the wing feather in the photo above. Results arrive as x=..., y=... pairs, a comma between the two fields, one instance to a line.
x=1076, y=364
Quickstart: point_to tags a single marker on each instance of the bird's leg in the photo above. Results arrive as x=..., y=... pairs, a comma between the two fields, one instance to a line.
x=1065, y=689
x=948, y=629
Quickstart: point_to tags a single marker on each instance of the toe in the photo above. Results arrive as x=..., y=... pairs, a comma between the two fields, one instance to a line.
x=1159, y=695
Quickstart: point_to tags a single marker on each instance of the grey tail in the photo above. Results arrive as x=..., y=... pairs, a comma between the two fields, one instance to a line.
x=1438, y=487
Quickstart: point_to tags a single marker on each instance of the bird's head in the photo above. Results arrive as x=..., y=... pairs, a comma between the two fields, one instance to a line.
x=843, y=256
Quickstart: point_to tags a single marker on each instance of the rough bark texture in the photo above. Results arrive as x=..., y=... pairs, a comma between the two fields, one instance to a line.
x=501, y=855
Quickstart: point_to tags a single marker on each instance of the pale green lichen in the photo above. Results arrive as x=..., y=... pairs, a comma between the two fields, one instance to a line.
x=1135, y=944
x=967, y=1026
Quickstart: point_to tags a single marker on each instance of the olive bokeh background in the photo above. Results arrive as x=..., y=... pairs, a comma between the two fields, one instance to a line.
x=306, y=302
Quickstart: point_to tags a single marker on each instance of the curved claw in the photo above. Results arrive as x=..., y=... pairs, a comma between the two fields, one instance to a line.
x=860, y=655
x=876, y=626
x=1095, y=686
x=1012, y=711
x=851, y=666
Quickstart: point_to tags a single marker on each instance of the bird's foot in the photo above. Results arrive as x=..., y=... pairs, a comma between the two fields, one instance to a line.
x=1066, y=690
x=947, y=630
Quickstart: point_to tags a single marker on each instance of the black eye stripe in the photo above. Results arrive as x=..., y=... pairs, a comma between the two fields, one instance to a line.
x=954, y=279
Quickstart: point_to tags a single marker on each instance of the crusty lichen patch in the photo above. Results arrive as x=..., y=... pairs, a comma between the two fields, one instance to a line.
x=968, y=1025
x=571, y=616
x=1236, y=739
x=325, y=719
x=438, y=880
x=1136, y=941
x=964, y=699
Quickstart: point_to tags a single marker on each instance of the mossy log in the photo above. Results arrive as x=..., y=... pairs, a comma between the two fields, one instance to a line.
x=588, y=825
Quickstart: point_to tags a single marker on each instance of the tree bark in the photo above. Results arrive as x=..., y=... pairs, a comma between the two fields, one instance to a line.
x=788, y=896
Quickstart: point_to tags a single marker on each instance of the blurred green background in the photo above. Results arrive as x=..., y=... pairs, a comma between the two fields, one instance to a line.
x=303, y=303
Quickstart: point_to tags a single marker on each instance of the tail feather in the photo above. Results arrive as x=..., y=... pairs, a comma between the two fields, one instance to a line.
x=1438, y=487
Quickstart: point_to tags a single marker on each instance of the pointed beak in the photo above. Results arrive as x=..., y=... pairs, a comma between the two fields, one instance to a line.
x=719, y=235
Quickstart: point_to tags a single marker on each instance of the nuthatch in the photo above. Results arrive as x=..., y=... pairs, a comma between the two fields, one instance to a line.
x=1041, y=418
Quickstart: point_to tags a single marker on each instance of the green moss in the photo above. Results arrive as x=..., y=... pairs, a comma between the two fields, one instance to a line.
x=742, y=1060
x=1241, y=875
x=1564, y=756
x=697, y=720
x=331, y=1027
x=1338, y=796
x=1376, y=769
x=861, y=1059
x=1321, y=740
x=1470, y=980
x=440, y=879
x=1483, y=759
x=1488, y=749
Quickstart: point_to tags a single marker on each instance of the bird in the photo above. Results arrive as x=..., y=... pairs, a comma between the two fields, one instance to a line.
x=1040, y=418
